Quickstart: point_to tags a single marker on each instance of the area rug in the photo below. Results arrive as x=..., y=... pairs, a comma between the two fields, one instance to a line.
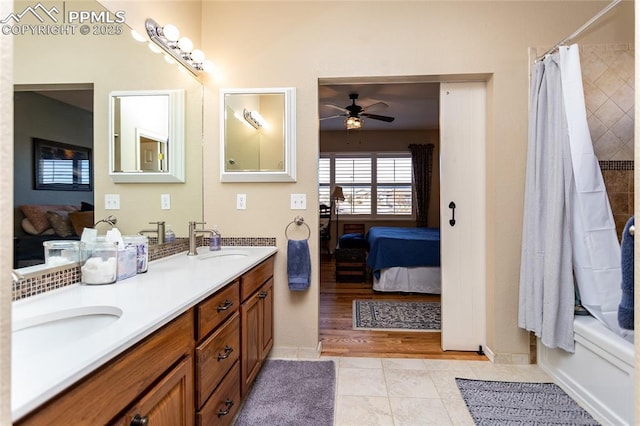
x=396, y=315
x=494, y=403
x=291, y=393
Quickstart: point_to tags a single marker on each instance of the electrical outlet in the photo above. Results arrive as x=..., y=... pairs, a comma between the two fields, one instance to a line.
x=241, y=201
x=165, y=201
x=298, y=201
x=112, y=201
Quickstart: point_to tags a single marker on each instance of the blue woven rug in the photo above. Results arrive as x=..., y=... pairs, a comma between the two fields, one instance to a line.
x=494, y=403
x=396, y=315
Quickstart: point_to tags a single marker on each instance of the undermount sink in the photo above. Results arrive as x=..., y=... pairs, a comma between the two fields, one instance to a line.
x=63, y=326
x=224, y=254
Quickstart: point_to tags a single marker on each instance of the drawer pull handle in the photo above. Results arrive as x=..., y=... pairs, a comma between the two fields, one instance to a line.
x=139, y=420
x=229, y=404
x=227, y=351
x=263, y=294
x=227, y=305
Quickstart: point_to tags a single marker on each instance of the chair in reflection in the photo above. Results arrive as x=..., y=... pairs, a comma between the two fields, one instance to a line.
x=325, y=228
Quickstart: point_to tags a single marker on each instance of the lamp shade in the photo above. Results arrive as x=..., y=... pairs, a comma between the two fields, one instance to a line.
x=353, y=123
x=337, y=193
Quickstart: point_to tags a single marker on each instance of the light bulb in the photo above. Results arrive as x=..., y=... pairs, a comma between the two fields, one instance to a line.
x=154, y=48
x=137, y=36
x=208, y=66
x=197, y=56
x=171, y=32
x=185, y=44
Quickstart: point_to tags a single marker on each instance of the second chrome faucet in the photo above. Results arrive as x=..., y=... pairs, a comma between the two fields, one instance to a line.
x=193, y=234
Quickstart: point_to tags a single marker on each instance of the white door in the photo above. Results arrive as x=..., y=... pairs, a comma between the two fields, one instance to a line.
x=462, y=212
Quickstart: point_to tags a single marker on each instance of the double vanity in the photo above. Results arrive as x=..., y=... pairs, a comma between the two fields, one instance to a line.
x=180, y=344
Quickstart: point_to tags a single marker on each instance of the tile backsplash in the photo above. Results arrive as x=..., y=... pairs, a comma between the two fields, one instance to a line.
x=608, y=82
x=618, y=179
x=53, y=278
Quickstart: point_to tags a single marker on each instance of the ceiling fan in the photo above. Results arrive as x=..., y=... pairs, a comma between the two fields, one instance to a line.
x=354, y=113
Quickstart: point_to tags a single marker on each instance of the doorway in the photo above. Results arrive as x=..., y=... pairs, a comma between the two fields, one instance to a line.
x=380, y=137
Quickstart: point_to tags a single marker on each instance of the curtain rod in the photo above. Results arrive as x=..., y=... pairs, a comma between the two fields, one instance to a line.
x=586, y=25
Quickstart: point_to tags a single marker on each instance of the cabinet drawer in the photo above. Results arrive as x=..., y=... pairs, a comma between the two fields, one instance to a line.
x=217, y=308
x=255, y=278
x=223, y=405
x=215, y=357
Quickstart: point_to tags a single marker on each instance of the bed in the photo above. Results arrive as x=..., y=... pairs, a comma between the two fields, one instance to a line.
x=404, y=259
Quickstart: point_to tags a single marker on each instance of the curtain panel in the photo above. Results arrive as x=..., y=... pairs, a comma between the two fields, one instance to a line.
x=422, y=162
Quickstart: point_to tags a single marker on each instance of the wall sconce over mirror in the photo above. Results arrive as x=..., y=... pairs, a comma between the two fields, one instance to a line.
x=146, y=134
x=258, y=135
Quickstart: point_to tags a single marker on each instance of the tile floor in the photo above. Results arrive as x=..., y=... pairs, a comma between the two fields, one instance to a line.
x=402, y=392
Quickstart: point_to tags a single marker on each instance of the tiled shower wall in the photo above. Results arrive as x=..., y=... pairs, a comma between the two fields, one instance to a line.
x=608, y=80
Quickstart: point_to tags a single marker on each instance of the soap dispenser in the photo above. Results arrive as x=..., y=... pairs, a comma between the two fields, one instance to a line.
x=169, y=235
x=215, y=241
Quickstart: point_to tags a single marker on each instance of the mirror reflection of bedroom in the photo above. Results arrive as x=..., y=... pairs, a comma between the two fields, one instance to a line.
x=380, y=219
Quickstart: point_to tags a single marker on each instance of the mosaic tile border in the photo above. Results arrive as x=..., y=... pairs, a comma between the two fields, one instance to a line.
x=40, y=282
x=616, y=164
x=34, y=283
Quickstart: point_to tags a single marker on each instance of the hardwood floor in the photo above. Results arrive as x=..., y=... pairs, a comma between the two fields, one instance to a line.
x=339, y=339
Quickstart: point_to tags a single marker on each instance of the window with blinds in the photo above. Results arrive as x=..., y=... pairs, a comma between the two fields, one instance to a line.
x=61, y=167
x=374, y=184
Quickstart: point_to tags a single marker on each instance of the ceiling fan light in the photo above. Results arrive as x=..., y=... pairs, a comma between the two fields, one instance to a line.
x=353, y=123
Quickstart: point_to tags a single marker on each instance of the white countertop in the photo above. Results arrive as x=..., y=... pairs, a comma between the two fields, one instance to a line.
x=44, y=366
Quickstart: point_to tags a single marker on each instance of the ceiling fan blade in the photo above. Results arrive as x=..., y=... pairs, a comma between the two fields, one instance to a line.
x=378, y=117
x=332, y=116
x=341, y=109
x=376, y=106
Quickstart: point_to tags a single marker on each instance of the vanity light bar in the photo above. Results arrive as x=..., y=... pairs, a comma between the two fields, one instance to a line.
x=181, y=50
x=254, y=118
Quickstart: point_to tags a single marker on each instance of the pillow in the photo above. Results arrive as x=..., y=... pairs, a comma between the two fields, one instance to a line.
x=37, y=214
x=28, y=228
x=81, y=220
x=60, y=223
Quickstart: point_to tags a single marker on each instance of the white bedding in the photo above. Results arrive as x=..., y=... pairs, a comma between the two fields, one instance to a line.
x=410, y=280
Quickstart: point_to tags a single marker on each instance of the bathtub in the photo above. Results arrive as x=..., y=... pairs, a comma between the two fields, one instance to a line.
x=599, y=375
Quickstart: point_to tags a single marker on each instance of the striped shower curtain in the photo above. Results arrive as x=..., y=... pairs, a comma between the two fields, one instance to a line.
x=569, y=235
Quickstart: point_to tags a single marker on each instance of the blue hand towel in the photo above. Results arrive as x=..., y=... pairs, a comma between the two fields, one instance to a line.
x=625, y=309
x=298, y=265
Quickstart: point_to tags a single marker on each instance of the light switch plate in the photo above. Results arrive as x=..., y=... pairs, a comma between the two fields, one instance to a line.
x=112, y=201
x=241, y=201
x=165, y=201
x=298, y=201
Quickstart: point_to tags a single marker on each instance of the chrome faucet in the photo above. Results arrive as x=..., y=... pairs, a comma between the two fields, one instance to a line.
x=193, y=234
x=16, y=276
x=111, y=220
x=159, y=230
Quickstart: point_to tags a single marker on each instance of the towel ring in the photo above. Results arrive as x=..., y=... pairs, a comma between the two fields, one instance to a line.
x=298, y=220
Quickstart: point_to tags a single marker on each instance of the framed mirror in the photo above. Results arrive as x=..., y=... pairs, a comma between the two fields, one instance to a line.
x=257, y=135
x=146, y=136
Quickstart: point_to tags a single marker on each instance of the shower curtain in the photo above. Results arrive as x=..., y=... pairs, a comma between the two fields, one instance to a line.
x=569, y=235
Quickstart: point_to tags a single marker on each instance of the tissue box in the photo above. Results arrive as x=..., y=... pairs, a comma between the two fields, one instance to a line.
x=127, y=265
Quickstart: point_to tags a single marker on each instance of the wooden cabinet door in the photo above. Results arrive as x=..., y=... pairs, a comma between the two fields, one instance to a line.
x=251, y=313
x=266, y=296
x=168, y=403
